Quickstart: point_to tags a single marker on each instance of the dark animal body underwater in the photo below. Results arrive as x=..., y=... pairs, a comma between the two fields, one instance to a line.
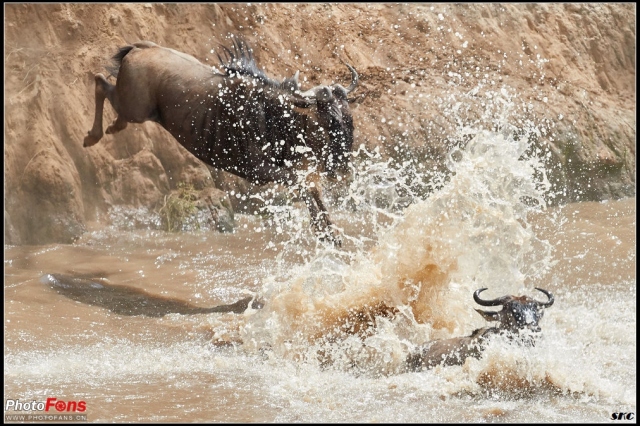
x=238, y=120
x=518, y=319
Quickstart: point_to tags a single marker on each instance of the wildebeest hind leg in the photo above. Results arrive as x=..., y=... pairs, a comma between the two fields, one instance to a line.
x=117, y=125
x=104, y=89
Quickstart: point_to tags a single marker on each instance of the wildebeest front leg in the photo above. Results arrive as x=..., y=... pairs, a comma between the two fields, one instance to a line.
x=310, y=192
x=104, y=90
x=320, y=216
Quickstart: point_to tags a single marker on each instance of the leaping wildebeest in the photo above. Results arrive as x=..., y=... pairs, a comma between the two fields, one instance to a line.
x=238, y=120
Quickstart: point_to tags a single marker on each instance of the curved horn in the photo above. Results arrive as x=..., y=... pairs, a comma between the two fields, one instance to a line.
x=320, y=93
x=494, y=302
x=547, y=303
x=301, y=101
x=290, y=84
x=354, y=79
x=294, y=79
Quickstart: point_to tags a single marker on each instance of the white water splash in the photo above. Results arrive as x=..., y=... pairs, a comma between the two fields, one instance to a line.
x=471, y=233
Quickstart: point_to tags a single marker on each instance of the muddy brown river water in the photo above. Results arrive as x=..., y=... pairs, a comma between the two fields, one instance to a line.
x=156, y=365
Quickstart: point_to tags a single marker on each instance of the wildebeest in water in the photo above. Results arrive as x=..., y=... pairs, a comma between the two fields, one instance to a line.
x=238, y=120
x=518, y=320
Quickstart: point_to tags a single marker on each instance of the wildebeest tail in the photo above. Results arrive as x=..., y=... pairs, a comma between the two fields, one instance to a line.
x=117, y=60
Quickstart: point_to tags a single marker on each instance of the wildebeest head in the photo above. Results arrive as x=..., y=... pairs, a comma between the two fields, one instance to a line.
x=330, y=133
x=334, y=115
x=518, y=312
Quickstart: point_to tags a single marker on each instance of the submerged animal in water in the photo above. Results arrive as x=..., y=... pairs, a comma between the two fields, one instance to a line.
x=518, y=314
x=238, y=120
x=518, y=318
x=130, y=301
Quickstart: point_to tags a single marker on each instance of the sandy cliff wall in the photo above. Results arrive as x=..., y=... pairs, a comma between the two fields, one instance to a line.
x=571, y=66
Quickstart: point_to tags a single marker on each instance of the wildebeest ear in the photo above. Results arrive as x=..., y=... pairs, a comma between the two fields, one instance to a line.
x=324, y=94
x=302, y=102
x=339, y=92
x=488, y=315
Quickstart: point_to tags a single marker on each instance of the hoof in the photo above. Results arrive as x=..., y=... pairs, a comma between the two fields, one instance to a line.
x=116, y=127
x=91, y=140
x=335, y=240
x=330, y=237
x=327, y=233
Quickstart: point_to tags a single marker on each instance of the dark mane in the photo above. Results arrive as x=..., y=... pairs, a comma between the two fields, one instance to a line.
x=240, y=61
